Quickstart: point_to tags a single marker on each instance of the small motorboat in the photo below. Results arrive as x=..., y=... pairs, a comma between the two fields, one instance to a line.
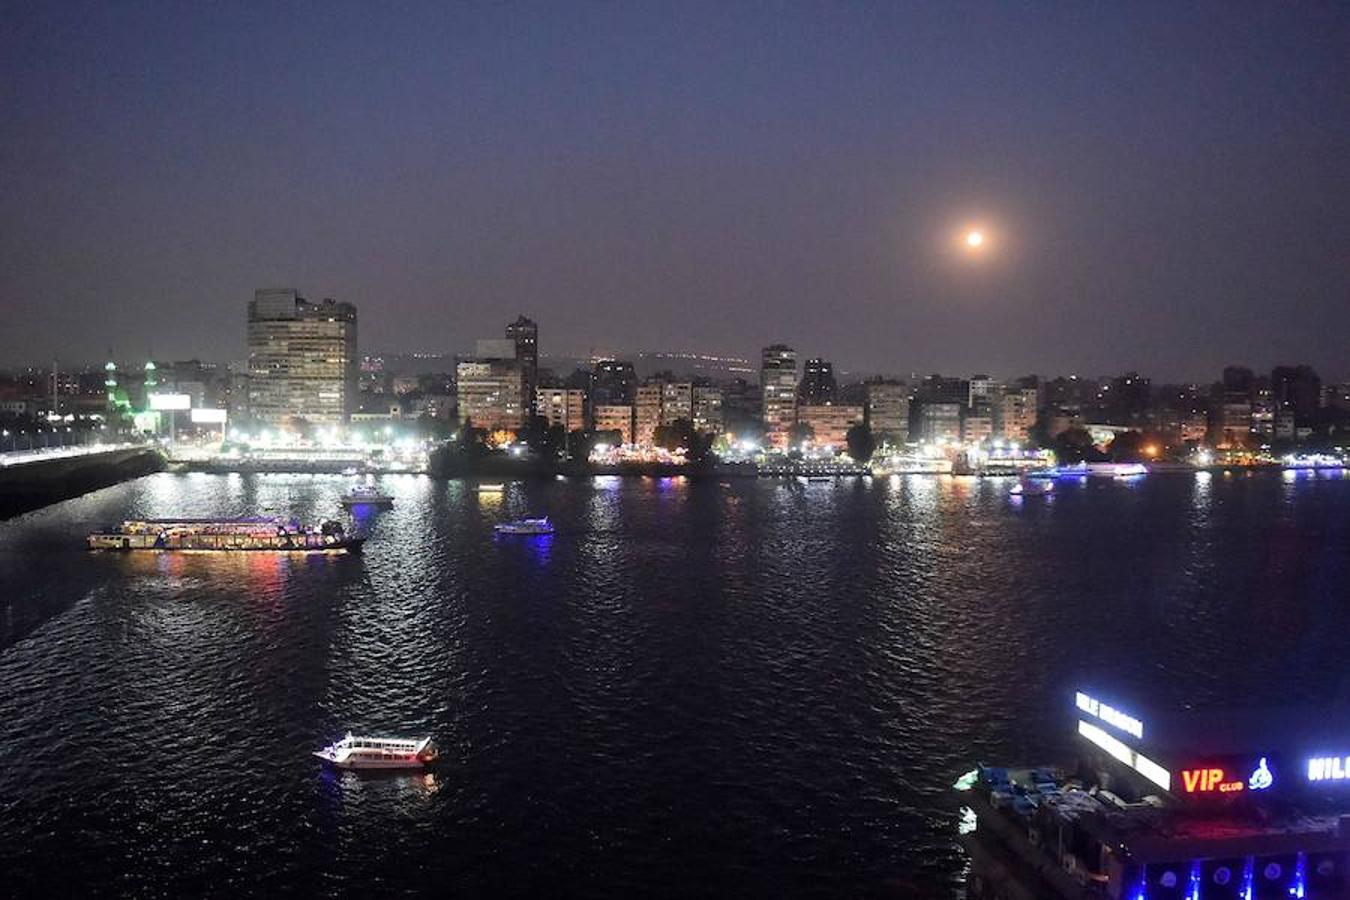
x=1032, y=487
x=525, y=526
x=366, y=495
x=379, y=753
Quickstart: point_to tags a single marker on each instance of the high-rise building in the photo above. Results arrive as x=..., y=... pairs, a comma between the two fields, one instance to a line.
x=1298, y=390
x=302, y=359
x=778, y=387
x=818, y=384
x=940, y=422
x=888, y=411
x=982, y=389
x=613, y=383
x=488, y=393
x=525, y=334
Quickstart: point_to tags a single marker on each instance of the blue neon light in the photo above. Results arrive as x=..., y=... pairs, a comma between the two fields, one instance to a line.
x=1248, y=876
x=1193, y=892
x=1262, y=778
x=1300, y=877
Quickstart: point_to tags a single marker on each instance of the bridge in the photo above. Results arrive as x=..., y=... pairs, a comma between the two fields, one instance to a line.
x=33, y=478
x=48, y=454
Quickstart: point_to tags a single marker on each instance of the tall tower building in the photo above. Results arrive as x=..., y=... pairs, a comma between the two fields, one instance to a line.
x=778, y=387
x=301, y=358
x=818, y=384
x=525, y=333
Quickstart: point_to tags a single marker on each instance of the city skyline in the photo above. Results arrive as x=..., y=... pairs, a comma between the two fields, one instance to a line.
x=1155, y=189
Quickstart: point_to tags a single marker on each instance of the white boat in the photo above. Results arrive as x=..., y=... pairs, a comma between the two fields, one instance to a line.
x=1032, y=487
x=525, y=526
x=379, y=753
x=366, y=495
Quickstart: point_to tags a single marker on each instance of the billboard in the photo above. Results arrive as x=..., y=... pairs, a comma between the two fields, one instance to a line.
x=206, y=416
x=170, y=401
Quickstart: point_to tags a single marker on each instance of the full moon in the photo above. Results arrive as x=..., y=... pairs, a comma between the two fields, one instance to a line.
x=974, y=239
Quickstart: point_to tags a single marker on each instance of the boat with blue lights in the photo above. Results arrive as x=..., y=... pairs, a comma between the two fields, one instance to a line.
x=1032, y=487
x=226, y=535
x=1196, y=805
x=353, y=752
x=366, y=495
x=525, y=526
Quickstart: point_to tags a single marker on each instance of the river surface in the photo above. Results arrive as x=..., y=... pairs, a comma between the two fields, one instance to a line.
x=750, y=687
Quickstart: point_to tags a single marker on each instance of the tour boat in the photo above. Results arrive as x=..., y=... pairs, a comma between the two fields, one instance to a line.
x=525, y=526
x=379, y=753
x=366, y=495
x=227, y=535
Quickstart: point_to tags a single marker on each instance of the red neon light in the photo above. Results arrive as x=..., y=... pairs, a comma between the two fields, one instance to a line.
x=1208, y=781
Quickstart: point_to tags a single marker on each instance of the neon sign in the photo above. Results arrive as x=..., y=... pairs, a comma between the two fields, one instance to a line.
x=1261, y=778
x=1213, y=780
x=1109, y=714
x=1329, y=768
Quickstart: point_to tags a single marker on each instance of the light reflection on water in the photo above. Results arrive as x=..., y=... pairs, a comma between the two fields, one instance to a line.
x=744, y=685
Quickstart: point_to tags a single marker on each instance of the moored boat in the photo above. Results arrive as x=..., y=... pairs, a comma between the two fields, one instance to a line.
x=228, y=535
x=525, y=526
x=353, y=752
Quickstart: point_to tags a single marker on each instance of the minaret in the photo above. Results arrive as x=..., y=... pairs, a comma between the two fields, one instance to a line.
x=110, y=382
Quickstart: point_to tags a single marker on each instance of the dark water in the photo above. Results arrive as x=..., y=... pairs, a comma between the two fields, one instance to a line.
x=752, y=688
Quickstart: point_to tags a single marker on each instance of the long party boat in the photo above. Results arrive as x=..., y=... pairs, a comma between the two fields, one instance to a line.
x=227, y=535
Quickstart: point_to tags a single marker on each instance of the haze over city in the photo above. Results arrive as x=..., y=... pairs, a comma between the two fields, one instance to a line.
x=1159, y=188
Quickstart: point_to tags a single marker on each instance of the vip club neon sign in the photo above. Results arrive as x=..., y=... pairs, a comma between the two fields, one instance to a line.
x=1109, y=714
x=1218, y=780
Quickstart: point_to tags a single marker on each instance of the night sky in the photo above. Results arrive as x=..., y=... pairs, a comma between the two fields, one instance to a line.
x=1165, y=186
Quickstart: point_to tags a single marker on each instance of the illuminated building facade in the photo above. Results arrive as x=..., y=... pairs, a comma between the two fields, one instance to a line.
x=302, y=359
x=616, y=417
x=562, y=406
x=977, y=426
x=888, y=411
x=677, y=401
x=940, y=422
x=488, y=394
x=647, y=412
x=830, y=422
x=1017, y=414
x=778, y=389
x=707, y=412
